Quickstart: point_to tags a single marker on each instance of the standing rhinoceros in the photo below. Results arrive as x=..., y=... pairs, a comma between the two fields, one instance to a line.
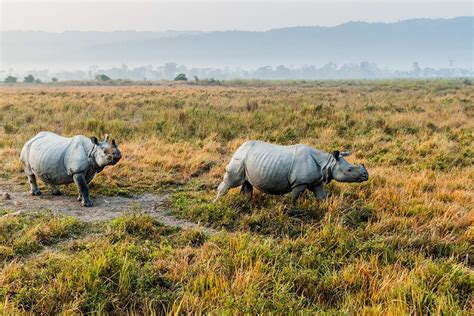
x=276, y=169
x=60, y=160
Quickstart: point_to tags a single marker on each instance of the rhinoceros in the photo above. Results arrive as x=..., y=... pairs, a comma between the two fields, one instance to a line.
x=60, y=160
x=277, y=169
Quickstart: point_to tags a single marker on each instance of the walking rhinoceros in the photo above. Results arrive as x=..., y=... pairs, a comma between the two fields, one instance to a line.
x=60, y=160
x=276, y=169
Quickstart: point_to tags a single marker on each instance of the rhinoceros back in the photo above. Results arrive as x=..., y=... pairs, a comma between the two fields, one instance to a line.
x=268, y=166
x=44, y=156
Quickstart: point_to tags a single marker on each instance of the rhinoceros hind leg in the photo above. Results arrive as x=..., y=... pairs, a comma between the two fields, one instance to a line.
x=297, y=191
x=55, y=190
x=247, y=190
x=34, y=186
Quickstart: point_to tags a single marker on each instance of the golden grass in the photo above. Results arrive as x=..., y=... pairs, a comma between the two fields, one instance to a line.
x=400, y=243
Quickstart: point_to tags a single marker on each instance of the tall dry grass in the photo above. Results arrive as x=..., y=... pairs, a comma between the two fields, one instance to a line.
x=399, y=243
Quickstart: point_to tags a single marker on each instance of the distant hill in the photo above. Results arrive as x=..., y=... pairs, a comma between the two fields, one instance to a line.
x=431, y=42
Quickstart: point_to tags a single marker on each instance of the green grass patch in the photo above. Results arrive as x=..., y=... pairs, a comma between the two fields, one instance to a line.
x=135, y=264
x=29, y=233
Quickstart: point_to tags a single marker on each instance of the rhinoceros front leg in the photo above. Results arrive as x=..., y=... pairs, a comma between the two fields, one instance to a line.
x=297, y=191
x=319, y=192
x=55, y=189
x=33, y=184
x=83, y=188
x=247, y=190
x=79, y=197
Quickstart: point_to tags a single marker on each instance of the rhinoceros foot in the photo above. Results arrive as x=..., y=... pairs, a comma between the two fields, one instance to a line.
x=87, y=203
x=36, y=192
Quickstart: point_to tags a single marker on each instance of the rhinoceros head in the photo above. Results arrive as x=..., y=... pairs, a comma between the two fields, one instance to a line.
x=343, y=171
x=106, y=153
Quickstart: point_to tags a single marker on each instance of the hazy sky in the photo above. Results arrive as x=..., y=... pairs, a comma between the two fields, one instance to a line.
x=213, y=15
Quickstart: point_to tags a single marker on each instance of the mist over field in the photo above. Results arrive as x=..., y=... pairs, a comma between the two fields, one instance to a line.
x=411, y=48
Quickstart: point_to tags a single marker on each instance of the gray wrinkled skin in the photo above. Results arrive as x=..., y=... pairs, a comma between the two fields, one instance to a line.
x=276, y=169
x=60, y=160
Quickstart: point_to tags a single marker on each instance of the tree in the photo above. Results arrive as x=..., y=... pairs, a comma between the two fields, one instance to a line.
x=54, y=79
x=196, y=78
x=11, y=79
x=29, y=79
x=281, y=72
x=264, y=72
x=169, y=70
x=38, y=81
x=416, y=70
x=102, y=77
x=180, y=77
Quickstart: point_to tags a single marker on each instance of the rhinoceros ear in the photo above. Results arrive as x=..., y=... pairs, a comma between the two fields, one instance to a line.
x=345, y=153
x=336, y=154
x=94, y=140
x=113, y=143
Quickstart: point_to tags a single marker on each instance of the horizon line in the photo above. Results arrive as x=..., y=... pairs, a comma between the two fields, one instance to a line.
x=239, y=30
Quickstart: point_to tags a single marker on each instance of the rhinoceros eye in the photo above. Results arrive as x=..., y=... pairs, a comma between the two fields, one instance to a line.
x=350, y=169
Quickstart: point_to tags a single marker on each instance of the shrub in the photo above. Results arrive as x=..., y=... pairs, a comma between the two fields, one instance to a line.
x=11, y=79
x=29, y=79
x=180, y=77
x=102, y=77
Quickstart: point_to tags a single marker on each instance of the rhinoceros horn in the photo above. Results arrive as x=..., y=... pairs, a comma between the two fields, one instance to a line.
x=106, y=139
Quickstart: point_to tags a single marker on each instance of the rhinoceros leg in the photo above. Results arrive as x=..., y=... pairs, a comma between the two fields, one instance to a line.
x=247, y=190
x=79, y=197
x=33, y=184
x=55, y=189
x=233, y=177
x=319, y=192
x=297, y=191
x=81, y=184
x=222, y=190
x=226, y=185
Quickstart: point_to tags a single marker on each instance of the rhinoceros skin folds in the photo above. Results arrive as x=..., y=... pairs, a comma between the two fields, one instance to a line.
x=277, y=169
x=58, y=160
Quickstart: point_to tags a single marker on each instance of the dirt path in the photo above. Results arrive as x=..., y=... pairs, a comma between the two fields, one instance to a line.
x=105, y=207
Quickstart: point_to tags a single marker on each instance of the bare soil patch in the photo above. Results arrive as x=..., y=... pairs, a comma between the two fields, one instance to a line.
x=105, y=207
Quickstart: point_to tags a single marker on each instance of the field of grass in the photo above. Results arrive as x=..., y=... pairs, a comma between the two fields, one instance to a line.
x=401, y=243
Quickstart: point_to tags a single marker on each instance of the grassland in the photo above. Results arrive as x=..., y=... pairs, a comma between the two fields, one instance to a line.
x=401, y=243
